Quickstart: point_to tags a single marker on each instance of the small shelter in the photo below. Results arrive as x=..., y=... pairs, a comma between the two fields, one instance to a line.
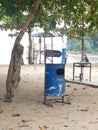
x=40, y=46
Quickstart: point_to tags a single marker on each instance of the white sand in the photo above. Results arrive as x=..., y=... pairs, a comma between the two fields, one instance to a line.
x=27, y=111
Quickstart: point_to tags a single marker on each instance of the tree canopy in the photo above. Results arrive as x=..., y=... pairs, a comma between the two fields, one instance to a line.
x=79, y=16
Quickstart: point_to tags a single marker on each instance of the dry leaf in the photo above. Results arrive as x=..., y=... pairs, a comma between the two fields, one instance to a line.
x=94, y=102
x=95, y=122
x=15, y=115
x=43, y=127
x=24, y=125
x=26, y=121
x=1, y=111
x=85, y=109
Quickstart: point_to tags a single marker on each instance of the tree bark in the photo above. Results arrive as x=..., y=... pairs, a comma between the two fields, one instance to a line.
x=82, y=49
x=30, y=48
x=13, y=76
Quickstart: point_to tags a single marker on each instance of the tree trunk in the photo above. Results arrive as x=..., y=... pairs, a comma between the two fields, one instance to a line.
x=30, y=48
x=13, y=76
x=82, y=59
x=82, y=49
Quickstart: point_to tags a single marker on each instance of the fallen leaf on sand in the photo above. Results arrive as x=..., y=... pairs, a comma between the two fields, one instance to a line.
x=43, y=127
x=68, y=85
x=94, y=102
x=65, y=125
x=16, y=115
x=26, y=121
x=84, y=88
x=1, y=111
x=94, y=122
x=85, y=109
x=24, y=125
x=11, y=128
x=75, y=89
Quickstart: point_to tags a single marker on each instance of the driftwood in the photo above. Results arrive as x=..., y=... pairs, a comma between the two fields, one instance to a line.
x=13, y=77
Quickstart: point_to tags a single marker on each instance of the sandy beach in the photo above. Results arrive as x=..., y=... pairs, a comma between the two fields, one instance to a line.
x=27, y=111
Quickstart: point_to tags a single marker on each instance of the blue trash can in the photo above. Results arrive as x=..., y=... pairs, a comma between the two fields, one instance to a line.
x=55, y=79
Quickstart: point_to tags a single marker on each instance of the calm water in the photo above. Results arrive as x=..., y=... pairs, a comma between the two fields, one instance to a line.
x=77, y=58
x=70, y=59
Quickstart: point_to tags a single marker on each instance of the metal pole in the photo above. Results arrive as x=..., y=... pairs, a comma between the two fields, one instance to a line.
x=39, y=50
x=44, y=73
x=52, y=46
x=73, y=70
x=90, y=73
x=64, y=45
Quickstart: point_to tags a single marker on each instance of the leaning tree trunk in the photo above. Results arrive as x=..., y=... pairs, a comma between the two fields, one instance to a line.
x=13, y=76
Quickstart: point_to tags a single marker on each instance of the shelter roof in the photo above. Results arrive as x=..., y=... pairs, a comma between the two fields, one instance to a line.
x=43, y=34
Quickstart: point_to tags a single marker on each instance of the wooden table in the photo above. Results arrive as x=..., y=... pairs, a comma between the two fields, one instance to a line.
x=81, y=65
